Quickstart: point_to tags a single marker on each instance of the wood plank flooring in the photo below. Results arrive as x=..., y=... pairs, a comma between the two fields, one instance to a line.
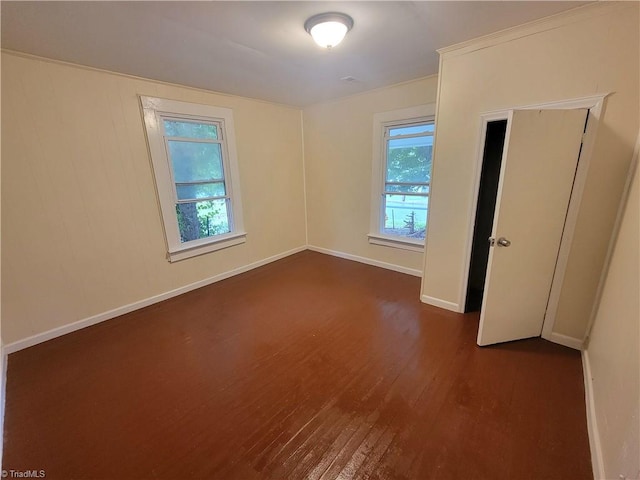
x=312, y=367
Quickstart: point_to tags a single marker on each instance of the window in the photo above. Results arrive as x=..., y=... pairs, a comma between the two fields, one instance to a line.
x=403, y=150
x=194, y=162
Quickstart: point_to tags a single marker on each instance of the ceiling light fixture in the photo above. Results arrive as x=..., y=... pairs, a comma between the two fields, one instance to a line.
x=328, y=29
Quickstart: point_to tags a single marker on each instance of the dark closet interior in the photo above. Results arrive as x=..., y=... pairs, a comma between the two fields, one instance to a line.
x=487, y=195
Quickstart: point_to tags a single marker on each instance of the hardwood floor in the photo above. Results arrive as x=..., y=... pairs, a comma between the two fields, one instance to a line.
x=312, y=367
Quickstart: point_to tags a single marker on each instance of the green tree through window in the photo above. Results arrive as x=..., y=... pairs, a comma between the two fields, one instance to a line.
x=409, y=149
x=195, y=166
x=198, y=173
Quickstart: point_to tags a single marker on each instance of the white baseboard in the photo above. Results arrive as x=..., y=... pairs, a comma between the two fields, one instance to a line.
x=436, y=302
x=592, y=422
x=3, y=390
x=565, y=340
x=116, y=312
x=368, y=261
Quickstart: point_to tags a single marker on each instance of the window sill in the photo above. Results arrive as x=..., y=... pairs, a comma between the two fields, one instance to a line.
x=396, y=242
x=228, y=240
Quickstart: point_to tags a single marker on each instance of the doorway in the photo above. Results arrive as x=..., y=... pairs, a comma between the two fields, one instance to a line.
x=535, y=176
x=474, y=291
x=487, y=195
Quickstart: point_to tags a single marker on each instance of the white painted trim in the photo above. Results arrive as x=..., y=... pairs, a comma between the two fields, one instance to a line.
x=116, y=312
x=378, y=158
x=567, y=341
x=39, y=58
x=3, y=394
x=590, y=101
x=368, y=261
x=436, y=302
x=213, y=244
x=155, y=110
x=592, y=421
x=614, y=236
x=596, y=111
x=485, y=119
x=596, y=105
x=304, y=180
x=396, y=242
x=366, y=92
x=537, y=26
x=494, y=226
x=434, y=163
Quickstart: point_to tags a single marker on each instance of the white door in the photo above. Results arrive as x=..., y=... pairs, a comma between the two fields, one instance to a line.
x=538, y=168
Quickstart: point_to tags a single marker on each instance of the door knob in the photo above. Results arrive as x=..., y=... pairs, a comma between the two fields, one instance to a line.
x=503, y=242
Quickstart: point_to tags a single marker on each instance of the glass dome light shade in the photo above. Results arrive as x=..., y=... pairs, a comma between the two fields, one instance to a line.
x=328, y=29
x=328, y=34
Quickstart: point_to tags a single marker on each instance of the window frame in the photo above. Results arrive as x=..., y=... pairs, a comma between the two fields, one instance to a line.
x=381, y=123
x=155, y=110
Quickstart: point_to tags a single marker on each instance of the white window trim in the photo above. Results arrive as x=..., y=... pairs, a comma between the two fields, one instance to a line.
x=154, y=109
x=380, y=121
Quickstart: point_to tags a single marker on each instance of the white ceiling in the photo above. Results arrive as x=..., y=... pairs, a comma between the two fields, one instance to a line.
x=258, y=49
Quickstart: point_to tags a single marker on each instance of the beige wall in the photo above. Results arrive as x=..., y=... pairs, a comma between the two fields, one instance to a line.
x=81, y=225
x=2, y=356
x=614, y=347
x=81, y=221
x=338, y=155
x=595, y=51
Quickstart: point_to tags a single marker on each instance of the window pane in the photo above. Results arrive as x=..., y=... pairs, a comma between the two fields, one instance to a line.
x=405, y=216
x=409, y=160
x=397, y=143
x=407, y=188
x=202, y=219
x=195, y=161
x=174, y=128
x=200, y=190
x=412, y=129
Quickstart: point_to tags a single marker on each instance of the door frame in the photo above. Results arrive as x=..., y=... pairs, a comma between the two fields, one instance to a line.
x=596, y=105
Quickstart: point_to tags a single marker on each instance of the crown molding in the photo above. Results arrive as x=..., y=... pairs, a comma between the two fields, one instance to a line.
x=558, y=20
